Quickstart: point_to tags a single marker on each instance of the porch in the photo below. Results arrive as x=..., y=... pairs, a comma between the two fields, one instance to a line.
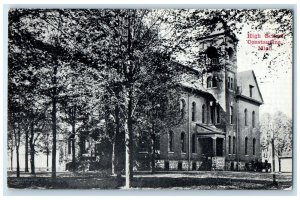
x=211, y=144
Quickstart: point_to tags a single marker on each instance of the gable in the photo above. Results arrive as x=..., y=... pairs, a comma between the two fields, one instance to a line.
x=248, y=86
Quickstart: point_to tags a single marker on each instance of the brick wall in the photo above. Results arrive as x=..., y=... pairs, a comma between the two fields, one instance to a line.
x=249, y=132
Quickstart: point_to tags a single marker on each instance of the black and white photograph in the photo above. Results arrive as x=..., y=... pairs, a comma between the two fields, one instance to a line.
x=150, y=99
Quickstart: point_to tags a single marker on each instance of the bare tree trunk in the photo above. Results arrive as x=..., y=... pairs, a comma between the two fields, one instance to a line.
x=115, y=161
x=47, y=151
x=32, y=163
x=47, y=158
x=11, y=158
x=17, y=138
x=32, y=150
x=26, y=151
x=113, y=156
x=73, y=143
x=17, y=135
x=18, y=161
x=54, y=82
x=12, y=153
x=129, y=144
x=128, y=155
x=153, y=151
x=128, y=122
x=279, y=164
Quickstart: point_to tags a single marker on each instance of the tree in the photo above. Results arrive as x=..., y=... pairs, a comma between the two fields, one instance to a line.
x=11, y=146
x=277, y=127
x=282, y=130
x=38, y=125
x=158, y=110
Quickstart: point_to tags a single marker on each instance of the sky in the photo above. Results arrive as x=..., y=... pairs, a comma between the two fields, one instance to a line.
x=275, y=83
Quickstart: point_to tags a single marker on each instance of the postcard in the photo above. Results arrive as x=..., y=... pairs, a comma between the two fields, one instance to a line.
x=197, y=99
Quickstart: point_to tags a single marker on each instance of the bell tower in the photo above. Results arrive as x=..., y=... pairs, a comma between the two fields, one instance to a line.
x=219, y=64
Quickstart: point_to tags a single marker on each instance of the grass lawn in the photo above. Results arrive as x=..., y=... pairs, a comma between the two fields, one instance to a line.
x=179, y=180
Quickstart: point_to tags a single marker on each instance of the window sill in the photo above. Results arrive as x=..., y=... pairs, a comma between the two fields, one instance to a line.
x=171, y=152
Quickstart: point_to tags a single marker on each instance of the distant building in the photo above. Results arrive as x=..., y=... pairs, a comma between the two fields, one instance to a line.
x=286, y=162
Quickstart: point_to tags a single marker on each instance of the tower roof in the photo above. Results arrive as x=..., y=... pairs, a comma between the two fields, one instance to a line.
x=220, y=27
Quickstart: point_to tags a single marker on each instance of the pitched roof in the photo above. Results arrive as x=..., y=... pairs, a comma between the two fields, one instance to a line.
x=208, y=128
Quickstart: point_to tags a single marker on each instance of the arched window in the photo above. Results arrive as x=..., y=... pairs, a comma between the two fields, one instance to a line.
x=194, y=143
x=182, y=108
x=182, y=142
x=229, y=144
x=246, y=117
x=233, y=145
x=230, y=53
x=246, y=146
x=193, y=111
x=209, y=82
x=171, y=139
x=212, y=53
x=253, y=146
x=231, y=115
x=203, y=113
x=218, y=113
x=231, y=83
x=228, y=82
x=212, y=114
x=253, y=119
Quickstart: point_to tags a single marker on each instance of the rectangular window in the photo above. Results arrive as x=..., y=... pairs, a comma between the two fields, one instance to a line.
x=193, y=111
x=231, y=115
x=69, y=146
x=251, y=90
x=171, y=141
x=231, y=83
x=218, y=113
x=246, y=146
x=212, y=114
x=203, y=114
x=233, y=145
x=253, y=147
x=228, y=82
x=183, y=142
x=229, y=144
